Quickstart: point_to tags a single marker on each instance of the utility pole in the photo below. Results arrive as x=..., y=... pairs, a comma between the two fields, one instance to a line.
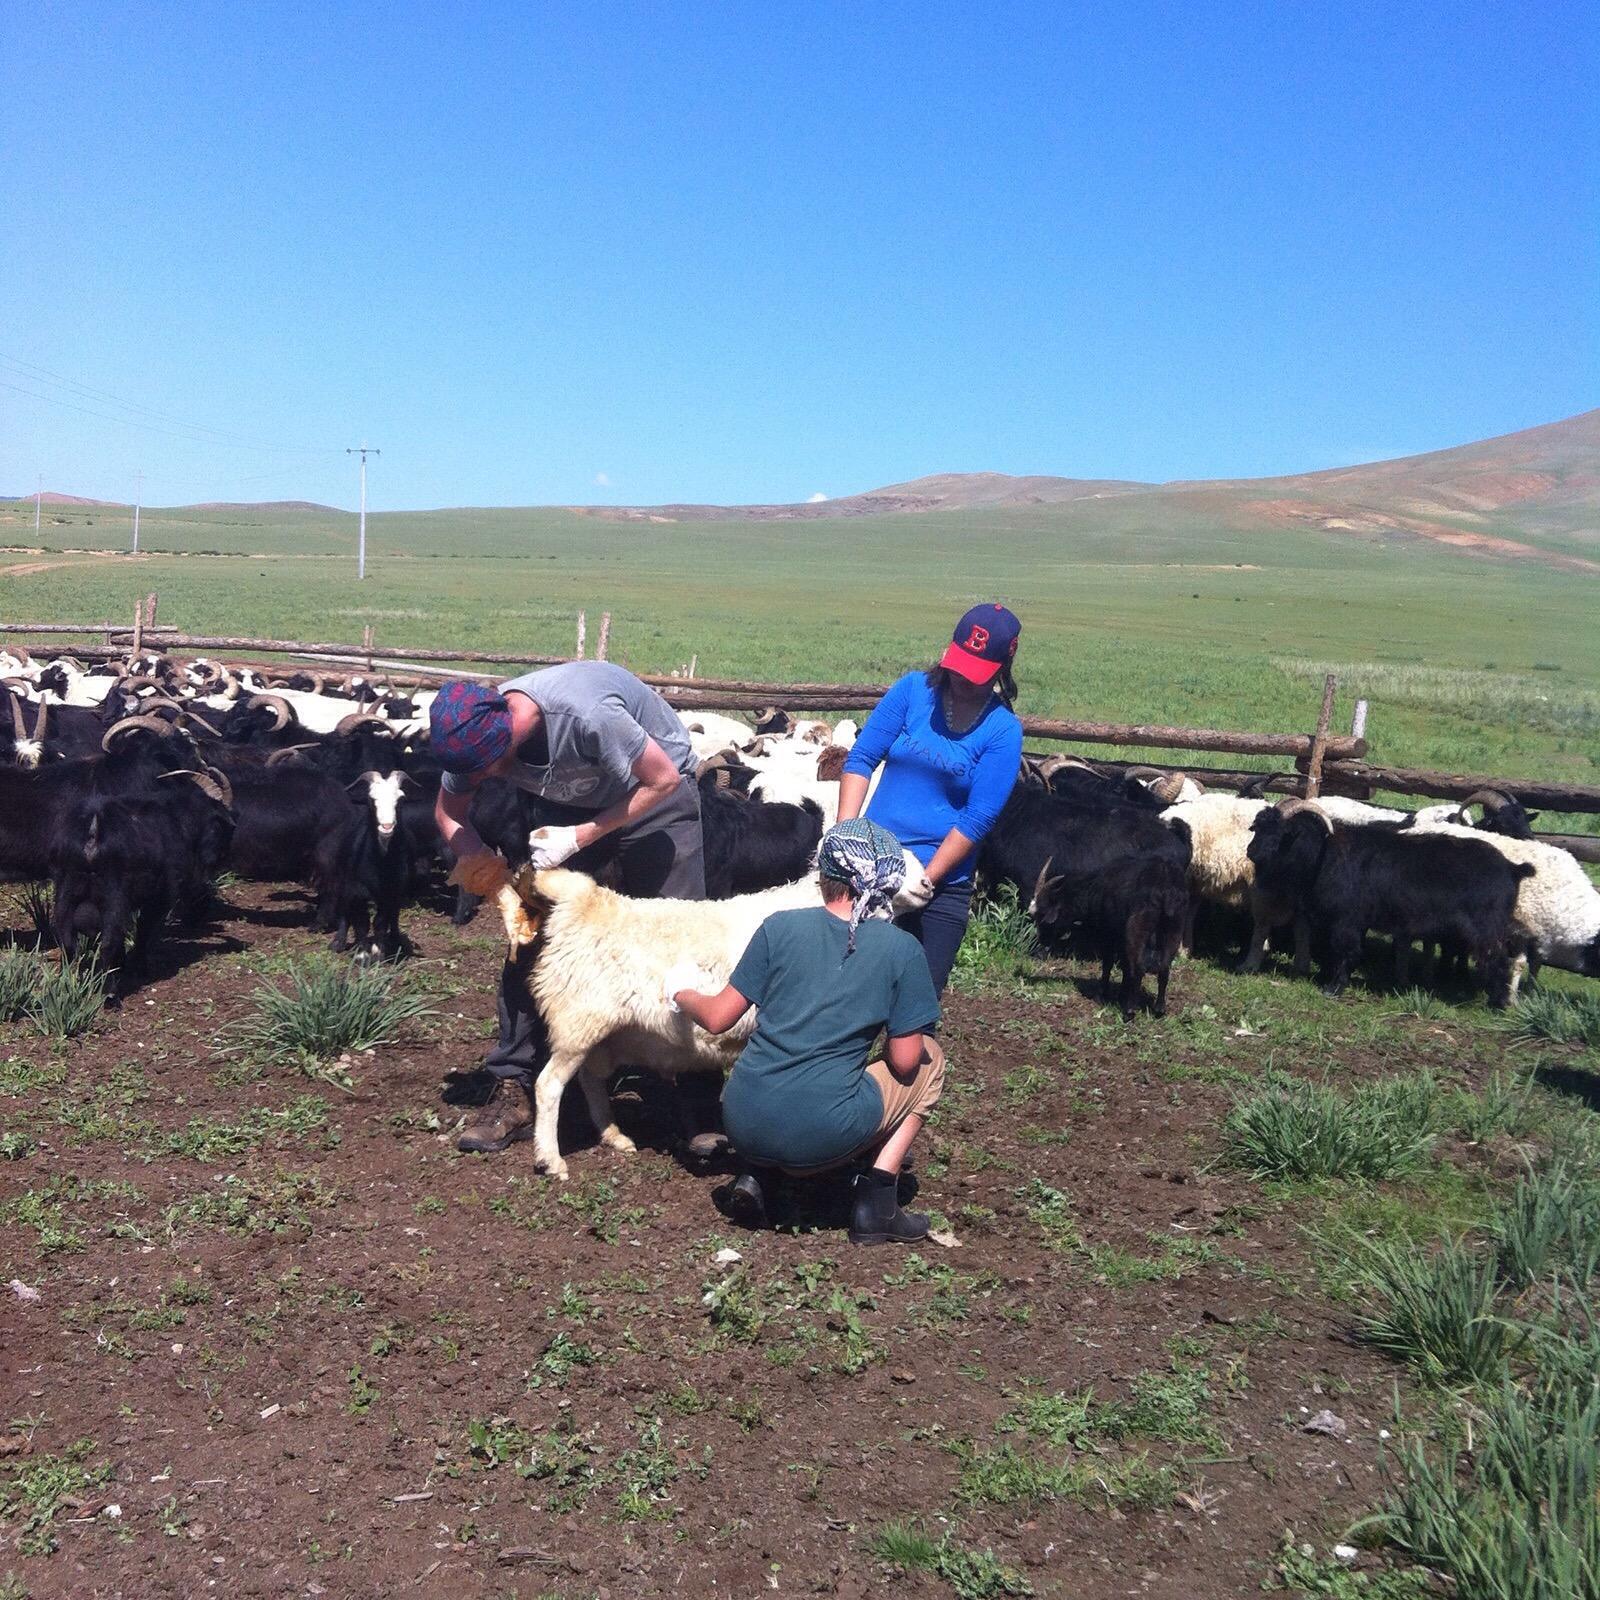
x=363, y=451
x=38, y=500
x=138, y=496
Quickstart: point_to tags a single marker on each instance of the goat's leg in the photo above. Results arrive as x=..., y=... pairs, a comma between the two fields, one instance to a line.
x=1162, y=974
x=597, y=1094
x=1302, y=945
x=1132, y=988
x=548, y=1089
x=1345, y=942
x=1402, y=962
x=1257, y=951
x=1522, y=966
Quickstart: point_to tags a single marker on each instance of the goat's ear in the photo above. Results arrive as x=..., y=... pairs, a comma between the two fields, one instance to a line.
x=1532, y=816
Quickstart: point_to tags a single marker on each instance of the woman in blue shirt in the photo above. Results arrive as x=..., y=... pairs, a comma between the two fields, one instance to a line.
x=950, y=746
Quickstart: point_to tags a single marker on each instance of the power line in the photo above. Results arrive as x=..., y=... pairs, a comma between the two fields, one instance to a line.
x=31, y=373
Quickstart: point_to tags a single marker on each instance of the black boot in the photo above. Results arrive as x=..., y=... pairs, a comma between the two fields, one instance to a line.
x=746, y=1204
x=876, y=1217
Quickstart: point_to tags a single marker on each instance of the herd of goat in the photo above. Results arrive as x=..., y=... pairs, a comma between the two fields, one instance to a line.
x=130, y=787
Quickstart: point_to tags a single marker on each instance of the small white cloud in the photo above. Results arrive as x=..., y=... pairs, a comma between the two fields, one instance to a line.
x=602, y=480
x=817, y=499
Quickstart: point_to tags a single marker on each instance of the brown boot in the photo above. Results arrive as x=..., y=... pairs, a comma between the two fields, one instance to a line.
x=504, y=1118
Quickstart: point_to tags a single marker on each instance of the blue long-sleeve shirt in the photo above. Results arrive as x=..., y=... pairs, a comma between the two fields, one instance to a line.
x=935, y=780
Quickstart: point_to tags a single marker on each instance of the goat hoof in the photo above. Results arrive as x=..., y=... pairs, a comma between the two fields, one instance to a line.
x=621, y=1143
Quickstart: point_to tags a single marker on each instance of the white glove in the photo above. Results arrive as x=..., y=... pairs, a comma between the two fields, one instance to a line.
x=685, y=975
x=549, y=847
x=914, y=893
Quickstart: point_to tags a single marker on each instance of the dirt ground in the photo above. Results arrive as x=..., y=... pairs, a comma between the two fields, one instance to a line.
x=314, y=1350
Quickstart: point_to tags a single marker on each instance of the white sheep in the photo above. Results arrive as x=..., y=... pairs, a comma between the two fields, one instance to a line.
x=1221, y=871
x=710, y=731
x=599, y=977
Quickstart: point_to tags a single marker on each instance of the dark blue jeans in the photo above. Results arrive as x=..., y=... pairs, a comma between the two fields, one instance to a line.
x=939, y=927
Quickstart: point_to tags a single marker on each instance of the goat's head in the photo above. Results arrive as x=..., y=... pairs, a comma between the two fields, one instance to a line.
x=382, y=791
x=1499, y=813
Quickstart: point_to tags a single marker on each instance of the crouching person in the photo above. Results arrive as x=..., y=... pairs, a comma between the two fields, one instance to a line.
x=826, y=980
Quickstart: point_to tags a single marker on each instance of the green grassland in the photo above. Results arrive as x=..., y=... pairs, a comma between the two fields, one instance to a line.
x=1471, y=665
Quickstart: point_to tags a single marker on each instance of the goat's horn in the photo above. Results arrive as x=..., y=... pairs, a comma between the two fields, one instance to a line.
x=16, y=719
x=1489, y=799
x=1294, y=808
x=117, y=729
x=209, y=782
x=287, y=753
x=276, y=704
x=355, y=720
x=41, y=720
x=21, y=653
x=194, y=716
x=1044, y=872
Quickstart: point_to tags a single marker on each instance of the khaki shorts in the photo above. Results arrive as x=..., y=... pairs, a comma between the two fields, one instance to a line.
x=914, y=1099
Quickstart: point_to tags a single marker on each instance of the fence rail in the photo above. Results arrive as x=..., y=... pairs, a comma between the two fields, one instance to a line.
x=1322, y=759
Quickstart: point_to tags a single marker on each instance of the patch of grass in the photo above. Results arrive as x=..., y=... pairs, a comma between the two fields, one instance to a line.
x=1050, y=1211
x=1552, y=1220
x=42, y=1487
x=1310, y=1130
x=326, y=1011
x=209, y=1140
x=646, y=1473
x=1504, y=1105
x=1174, y=1258
x=243, y=1204
x=1435, y=1310
x=60, y=999
x=1513, y=1507
x=1005, y=1476
x=972, y=1575
x=1323, y=1578
x=1560, y=1015
x=1169, y=1407
x=1000, y=941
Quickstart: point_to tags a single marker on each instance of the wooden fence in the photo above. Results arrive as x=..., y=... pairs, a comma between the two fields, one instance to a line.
x=1321, y=760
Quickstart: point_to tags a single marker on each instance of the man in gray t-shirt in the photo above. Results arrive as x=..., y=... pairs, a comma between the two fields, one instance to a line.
x=591, y=739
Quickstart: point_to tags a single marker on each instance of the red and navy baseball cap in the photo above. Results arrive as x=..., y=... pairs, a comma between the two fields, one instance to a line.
x=985, y=640
x=469, y=727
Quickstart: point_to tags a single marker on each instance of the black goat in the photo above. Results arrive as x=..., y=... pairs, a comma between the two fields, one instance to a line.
x=754, y=844
x=1129, y=911
x=121, y=862
x=1409, y=885
x=1037, y=826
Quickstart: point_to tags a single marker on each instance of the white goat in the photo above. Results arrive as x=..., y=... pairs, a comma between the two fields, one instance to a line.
x=598, y=975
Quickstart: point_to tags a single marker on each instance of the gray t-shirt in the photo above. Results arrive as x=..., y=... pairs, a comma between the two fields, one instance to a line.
x=596, y=718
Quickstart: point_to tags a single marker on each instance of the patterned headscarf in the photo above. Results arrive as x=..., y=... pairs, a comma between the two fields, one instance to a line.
x=469, y=726
x=870, y=860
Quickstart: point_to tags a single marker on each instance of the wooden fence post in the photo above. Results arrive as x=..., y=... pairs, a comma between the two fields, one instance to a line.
x=1358, y=723
x=605, y=636
x=1319, y=740
x=583, y=627
x=366, y=644
x=150, y=611
x=694, y=661
x=138, y=629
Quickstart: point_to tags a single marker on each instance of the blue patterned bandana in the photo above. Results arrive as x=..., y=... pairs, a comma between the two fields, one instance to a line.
x=869, y=859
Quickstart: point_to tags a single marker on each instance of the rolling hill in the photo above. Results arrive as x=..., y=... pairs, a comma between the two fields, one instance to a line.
x=1532, y=495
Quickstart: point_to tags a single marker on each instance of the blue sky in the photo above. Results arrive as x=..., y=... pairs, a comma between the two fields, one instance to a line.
x=737, y=252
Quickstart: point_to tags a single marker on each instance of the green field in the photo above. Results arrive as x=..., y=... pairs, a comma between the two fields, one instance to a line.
x=1470, y=665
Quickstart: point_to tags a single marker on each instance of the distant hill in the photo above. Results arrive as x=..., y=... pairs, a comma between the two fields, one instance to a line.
x=1492, y=499
x=260, y=505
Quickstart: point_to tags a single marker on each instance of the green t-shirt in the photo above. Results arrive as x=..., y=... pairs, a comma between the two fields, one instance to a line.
x=799, y=1094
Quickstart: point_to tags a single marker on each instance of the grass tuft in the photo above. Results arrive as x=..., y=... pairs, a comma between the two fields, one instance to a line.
x=1000, y=941
x=1309, y=1130
x=971, y=1574
x=1436, y=1312
x=1556, y=1015
x=326, y=1011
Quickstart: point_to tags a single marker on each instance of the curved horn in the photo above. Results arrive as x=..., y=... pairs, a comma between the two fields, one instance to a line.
x=68, y=661
x=280, y=708
x=1489, y=799
x=41, y=720
x=117, y=729
x=210, y=782
x=194, y=716
x=1294, y=808
x=20, y=653
x=355, y=720
x=16, y=718
x=287, y=753
x=1144, y=774
x=1039, y=882
x=17, y=683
